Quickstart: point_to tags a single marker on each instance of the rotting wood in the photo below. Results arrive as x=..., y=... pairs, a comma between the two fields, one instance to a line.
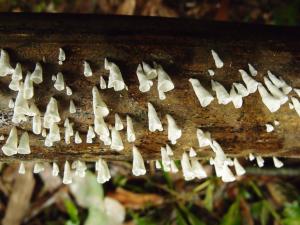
x=183, y=48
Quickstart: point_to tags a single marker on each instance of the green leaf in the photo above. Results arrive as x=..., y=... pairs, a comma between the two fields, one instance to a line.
x=179, y=218
x=72, y=212
x=233, y=216
x=265, y=214
x=97, y=217
x=291, y=214
x=209, y=198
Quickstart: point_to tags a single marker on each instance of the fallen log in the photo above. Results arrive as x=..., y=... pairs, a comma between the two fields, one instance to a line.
x=183, y=48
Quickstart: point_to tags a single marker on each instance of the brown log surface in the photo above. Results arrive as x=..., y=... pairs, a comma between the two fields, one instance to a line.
x=183, y=47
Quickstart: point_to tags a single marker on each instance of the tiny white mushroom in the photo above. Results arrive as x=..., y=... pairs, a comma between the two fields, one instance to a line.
x=130, y=130
x=90, y=135
x=151, y=73
x=260, y=161
x=269, y=127
x=38, y=167
x=115, y=79
x=161, y=95
x=44, y=133
x=2, y=137
x=173, y=166
x=11, y=145
x=218, y=62
x=53, y=77
x=14, y=85
x=11, y=104
x=169, y=150
x=198, y=169
x=17, y=74
x=54, y=133
x=72, y=107
x=100, y=127
x=153, y=119
x=252, y=70
x=22, y=169
x=275, y=91
x=5, y=67
x=222, y=94
x=78, y=139
x=280, y=83
x=277, y=162
x=69, y=91
x=276, y=123
x=116, y=140
x=227, y=175
x=87, y=71
x=28, y=91
x=187, y=170
x=174, y=132
x=192, y=153
x=251, y=84
x=51, y=115
x=296, y=105
x=251, y=157
x=24, y=147
x=145, y=83
x=67, y=176
x=239, y=169
x=37, y=124
x=55, y=169
x=157, y=164
x=204, y=138
x=37, y=74
x=165, y=159
x=272, y=103
x=242, y=90
x=165, y=83
x=59, y=82
x=204, y=97
x=211, y=72
x=61, y=56
x=138, y=166
x=103, y=174
x=236, y=98
x=99, y=106
x=102, y=83
x=118, y=122
x=297, y=91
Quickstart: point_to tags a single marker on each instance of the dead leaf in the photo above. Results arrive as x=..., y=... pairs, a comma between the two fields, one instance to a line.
x=135, y=201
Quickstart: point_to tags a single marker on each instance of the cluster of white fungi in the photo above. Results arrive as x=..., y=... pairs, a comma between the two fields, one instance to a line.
x=273, y=94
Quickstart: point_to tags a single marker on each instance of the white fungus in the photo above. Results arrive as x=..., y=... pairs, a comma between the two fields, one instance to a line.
x=222, y=94
x=17, y=73
x=198, y=169
x=14, y=85
x=99, y=106
x=174, y=132
x=297, y=91
x=51, y=115
x=187, y=170
x=100, y=126
x=37, y=124
x=157, y=164
x=204, y=97
x=53, y=77
x=251, y=157
x=260, y=161
x=130, y=130
x=277, y=162
x=78, y=139
x=87, y=71
x=37, y=74
x=115, y=79
x=24, y=147
x=11, y=104
x=116, y=140
x=204, y=138
x=296, y=105
x=28, y=91
x=275, y=91
x=38, y=167
x=68, y=176
x=21, y=107
x=54, y=134
x=153, y=120
x=11, y=145
x=59, y=82
x=161, y=95
x=138, y=166
x=192, y=153
x=44, y=133
x=80, y=168
x=173, y=166
x=165, y=159
x=69, y=91
x=252, y=70
x=211, y=72
x=251, y=84
x=68, y=131
x=103, y=174
x=2, y=137
x=239, y=169
x=150, y=72
x=22, y=169
x=118, y=122
x=236, y=98
x=61, y=56
x=145, y=83
x=165, y=83
x=5, y=67
x=169, y=150
x=242, y=90
x=276, y=123
x=227, y=175
x=102, y=83
x=280, y=83
x=272, y=103
x=90, y=135
x=72, y=107
x=218, y=62
x=269, y=127
x=55, y=169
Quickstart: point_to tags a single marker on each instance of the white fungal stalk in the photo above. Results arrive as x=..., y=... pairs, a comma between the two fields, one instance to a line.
x=222, y=94
x=37, y=124
x=102, y=83
x=150, y=72
x=192, y=153
x=21, y=107
x=169, y=150
x=280, y=83
x=130, y=130
x=103, y=174
x=165, y=83
x=227, y=175
x=87, y=71
x=173, y=166
x=296, y=105
x=90, y=135
x=100, y=127
x=269, y=127
x=211, y=72
x=260, y=161
x=28, y=91
x=174, y=132
x=157, y=164
x=11, y=145
x=275, y=91
x=99, y=106
x=239, y=169
x=204, y=97
x=80, y=168
x=5, y=67
x=138, y=166
x=61, y=56
x=251, y=157
x=17, y=73
x=68, y=176
x=55, y=169
x=24, y=147
x=116, y=140
x=277, y=162
x=251, y=84
x=153, y=120
x=145, y=83
x=78, y=139
x=11, y=104
x=51, y=115
x=69, y=91
x=22, y=169
x=236, y=98
x=198, y=169
x=272, y=103
x=218, y=62
x=72, y=107
x=37, y=74
x=187, y=170
x=242, y=90
x=38, y=167
x=59, y=82
x=118, y=122
x=165, y=159
x=252, y=70
x=14, y=85
x=161, y=95
x=204, y=138
x=54, y=134
x=2, y=137
x=115, y=79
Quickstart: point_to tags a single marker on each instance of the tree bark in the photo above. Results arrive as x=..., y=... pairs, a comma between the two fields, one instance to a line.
x=182, y=47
